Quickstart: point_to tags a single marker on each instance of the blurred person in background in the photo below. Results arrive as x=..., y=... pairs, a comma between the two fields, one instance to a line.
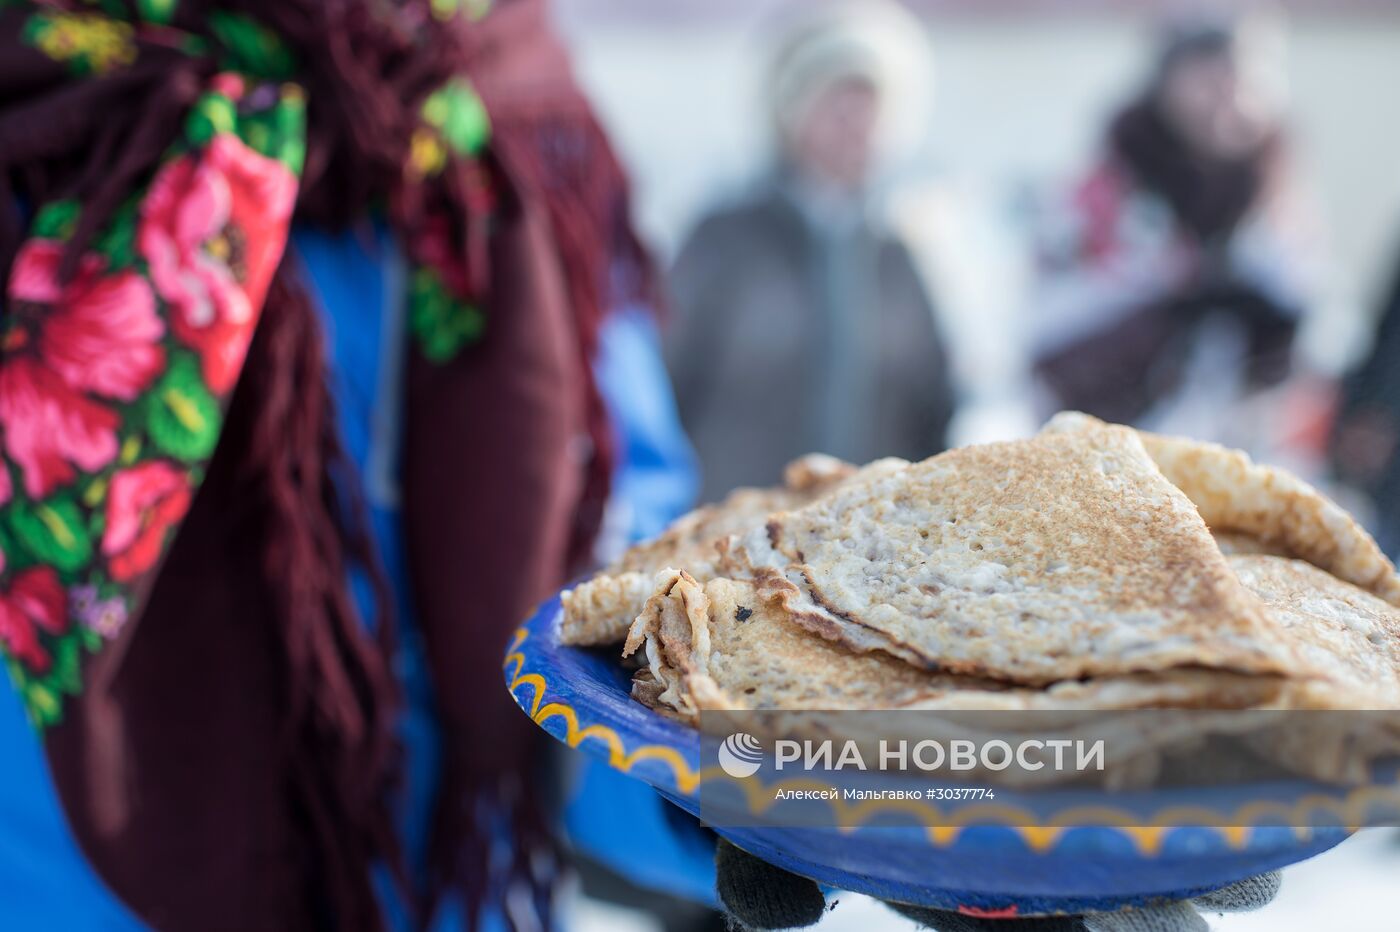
x=1366, y=443
x=1174, y=276
x=801, y=323
x=308, y=393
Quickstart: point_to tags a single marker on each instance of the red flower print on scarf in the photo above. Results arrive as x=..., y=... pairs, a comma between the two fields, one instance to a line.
x=143, y=503
x=34, y=600
x=97, y=335
x=212, y=231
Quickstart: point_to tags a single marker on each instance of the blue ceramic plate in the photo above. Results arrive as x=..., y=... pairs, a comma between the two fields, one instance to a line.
x=582, y=697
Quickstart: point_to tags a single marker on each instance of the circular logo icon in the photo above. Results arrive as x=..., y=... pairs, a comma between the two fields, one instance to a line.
x=740, y=755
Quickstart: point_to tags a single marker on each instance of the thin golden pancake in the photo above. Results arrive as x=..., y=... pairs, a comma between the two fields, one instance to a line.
x=1280, y=510
x=1350, y=636
x=600, y=610
x=720, y=646
x=690, y=541
x=1060, y=557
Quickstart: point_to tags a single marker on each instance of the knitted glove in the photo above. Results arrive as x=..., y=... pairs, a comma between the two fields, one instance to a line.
x=759, y=897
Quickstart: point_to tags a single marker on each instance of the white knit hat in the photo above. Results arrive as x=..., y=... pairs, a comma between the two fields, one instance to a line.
x=878, y=40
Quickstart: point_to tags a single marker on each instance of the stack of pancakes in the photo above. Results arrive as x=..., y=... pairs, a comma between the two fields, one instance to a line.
x=1090, y=567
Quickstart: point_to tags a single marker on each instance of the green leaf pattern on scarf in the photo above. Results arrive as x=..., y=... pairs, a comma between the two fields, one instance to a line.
x=456, y=111
x=56, y=220
x=441, y=323
x=445, y=314
x=159, y=12
x=251, y=48
x=53, y=531
x=183, y=416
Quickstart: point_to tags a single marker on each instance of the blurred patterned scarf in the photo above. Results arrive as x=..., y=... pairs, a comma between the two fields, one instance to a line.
x=1208, y=197
x=153, y=154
